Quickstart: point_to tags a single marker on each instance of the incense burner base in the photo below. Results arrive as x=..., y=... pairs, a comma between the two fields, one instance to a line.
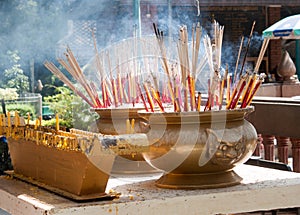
x=61, y=192
x=199, y=181
x=124, y=166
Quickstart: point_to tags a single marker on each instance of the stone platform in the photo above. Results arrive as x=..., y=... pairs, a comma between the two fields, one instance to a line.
x=262, y=189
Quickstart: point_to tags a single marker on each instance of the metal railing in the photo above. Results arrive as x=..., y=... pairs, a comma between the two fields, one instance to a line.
x=34, y=99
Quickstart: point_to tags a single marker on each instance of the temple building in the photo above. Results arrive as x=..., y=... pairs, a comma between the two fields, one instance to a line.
x=121, y=19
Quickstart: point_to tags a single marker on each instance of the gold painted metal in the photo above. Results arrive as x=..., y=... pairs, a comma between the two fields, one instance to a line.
x=199, y=149
x=112, y=121
x=66, y=171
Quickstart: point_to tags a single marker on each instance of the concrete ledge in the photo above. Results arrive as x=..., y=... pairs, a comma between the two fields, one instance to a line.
x=261, y=189
x=276, y=116
x=279, y=90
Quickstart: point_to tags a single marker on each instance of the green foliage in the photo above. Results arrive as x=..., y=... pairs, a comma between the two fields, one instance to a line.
x=9, y=94
x=23, y=109
x=62, y=123
x=14, y=77
x=73, y=113
x=61, y=102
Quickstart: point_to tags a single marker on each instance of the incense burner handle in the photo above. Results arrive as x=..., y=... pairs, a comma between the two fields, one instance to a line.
x=145, y=127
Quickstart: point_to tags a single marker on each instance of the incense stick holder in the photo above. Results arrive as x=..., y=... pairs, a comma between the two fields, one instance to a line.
x=199, y=149
x=69, y=171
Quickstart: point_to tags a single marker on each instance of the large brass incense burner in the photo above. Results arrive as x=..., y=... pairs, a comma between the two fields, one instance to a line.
x=199, y=149
x=197, y=145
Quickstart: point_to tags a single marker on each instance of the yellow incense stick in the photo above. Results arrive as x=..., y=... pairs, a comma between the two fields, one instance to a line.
x=132, y=126
x=228, y=88
x=28, y=118
x=16, y=119
x=40, y=120
x=128, y=128
x=151, y=103
x=57, y=122
x=199, y=102
x=36, y=124
x=248, y=89
x=8, y=119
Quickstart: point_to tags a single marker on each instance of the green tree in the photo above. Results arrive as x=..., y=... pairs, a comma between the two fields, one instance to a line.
x=14, y=76
x=8, y=94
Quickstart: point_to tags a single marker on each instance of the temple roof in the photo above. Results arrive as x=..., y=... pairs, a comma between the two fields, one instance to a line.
x=220, y=2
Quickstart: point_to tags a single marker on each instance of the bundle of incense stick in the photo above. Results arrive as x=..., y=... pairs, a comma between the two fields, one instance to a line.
x=238, y=59
x=194, y=72
x=261, y=53
x=218, y=39
x=160, y=40
x=247, y=85
x=213, y=49
x=245, y=90
x=195, y=48
x=209, y=54
x=242, y=93
x=222, y=86
x=213, y=91
x=111, y=90
x=184, y=63
x=246, y=51
x=125, y=79
x=188, y=74
x=51, y=67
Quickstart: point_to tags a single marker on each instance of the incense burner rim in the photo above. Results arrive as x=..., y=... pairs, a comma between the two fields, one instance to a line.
x=205, y=116
x=117, y=112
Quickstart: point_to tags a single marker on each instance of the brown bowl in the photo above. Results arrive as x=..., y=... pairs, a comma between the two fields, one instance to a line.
x=199, y=149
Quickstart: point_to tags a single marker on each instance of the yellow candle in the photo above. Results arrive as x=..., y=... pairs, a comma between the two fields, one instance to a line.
x=127, y=126
x=132, y=126
x=65, y=145
x=40, y=120
x=8, y=119
x=37, y=137
x=16, y=118
x=36, y=124
x=57, y=122
x=28, y=118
